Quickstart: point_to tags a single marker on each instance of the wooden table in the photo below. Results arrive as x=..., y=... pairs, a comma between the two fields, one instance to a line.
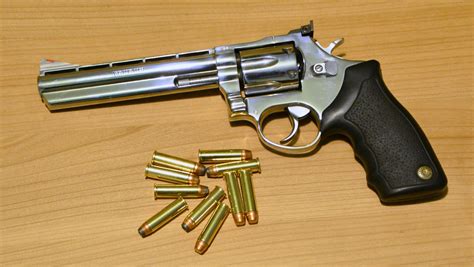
x=72, y=185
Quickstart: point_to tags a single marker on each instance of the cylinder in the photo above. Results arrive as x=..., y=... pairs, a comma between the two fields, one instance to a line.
x=270, y=69
x=212, y=228
x=163, y=217
x=216, y=171
x=223, y=155
x=161, y=159
x=170, y=175
x=248, y=196
x=177, y=191
x=235, y=197
x=200, y=212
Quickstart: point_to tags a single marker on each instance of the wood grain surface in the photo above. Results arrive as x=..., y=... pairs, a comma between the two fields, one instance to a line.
x=72, y=185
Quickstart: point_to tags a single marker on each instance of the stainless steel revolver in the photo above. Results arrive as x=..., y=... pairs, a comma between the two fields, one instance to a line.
x=290, y=73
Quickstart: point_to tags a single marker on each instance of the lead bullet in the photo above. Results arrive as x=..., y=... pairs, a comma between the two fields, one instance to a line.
x=200, y=212
x=163, y=217
x=235, y=197
x=248, y=195
x=212, y=228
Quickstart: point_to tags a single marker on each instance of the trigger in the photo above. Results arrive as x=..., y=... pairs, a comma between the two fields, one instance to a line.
x=296, y=113
x=295, y=126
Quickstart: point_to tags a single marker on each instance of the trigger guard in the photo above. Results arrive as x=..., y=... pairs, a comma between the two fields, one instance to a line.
x=290, y=150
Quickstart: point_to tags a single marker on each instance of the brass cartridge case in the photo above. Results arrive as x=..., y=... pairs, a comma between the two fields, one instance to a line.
x=173, y=162
x=248, y=195
x=163, y=217
x=171, y=176
x=176, y=191
x=225, y=155
x=235, y=197
x=200, y=212
x=217, y=170
x=212, y=228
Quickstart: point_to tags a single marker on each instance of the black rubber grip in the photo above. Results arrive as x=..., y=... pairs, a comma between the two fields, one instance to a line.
x=393, y=149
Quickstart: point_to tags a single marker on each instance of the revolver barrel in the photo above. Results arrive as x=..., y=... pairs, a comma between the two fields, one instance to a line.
x=63, y=85
x=259, y=71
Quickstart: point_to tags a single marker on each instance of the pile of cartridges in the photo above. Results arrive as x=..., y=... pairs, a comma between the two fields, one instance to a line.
x=182, y=176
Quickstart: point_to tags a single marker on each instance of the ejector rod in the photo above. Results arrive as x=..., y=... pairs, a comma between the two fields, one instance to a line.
x=71, y=86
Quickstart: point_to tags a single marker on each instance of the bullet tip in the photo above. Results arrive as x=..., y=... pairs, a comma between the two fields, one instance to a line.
x=142, y=232
x=201, y=170
x=201, y=247
x=194, y=180
x=188, y=225
x=239, y=219
x=252, y=217
x=185, y=227
x=246, y=154
x=204, y=190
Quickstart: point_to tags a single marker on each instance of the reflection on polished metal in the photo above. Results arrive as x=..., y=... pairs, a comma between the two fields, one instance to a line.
x=170, y=175
x=74, y=86
x=223, y=155
x=257, y=79
x=200, y=212
x=176, y=191
x=271, y=69
x=235, y=197
x=250, y=208
x=218, y=170
x=161, y=159
x=163, y=217
x=212, y=228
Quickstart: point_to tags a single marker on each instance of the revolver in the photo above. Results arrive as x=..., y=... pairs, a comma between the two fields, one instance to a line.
x=290, y=73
